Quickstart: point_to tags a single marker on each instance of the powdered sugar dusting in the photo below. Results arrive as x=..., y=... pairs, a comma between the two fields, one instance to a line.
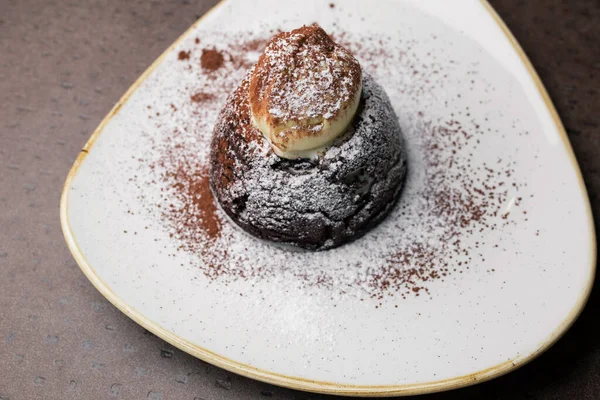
x=319, y=203
x=304, y=75
x=451, y=194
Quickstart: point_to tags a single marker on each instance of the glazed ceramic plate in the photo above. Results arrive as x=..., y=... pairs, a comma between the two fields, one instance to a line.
x=484, y=263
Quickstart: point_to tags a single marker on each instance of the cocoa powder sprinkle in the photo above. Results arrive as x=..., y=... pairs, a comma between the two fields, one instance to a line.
x=196, y=207
x=458, y=195
x=211, y=59
x=184, y=55
x=201, y=97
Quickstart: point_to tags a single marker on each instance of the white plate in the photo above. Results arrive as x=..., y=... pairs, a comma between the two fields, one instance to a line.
x=342, y=321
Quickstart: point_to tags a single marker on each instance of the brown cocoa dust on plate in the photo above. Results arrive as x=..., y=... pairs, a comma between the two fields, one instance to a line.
x=183, y=55
x=449, y=192
x=201, y=97
x=201, y=213
x=211, y=59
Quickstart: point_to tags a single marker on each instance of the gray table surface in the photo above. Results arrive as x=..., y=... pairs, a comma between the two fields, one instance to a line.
x=63, y=64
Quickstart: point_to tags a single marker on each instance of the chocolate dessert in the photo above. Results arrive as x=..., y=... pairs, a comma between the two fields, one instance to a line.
x=307, y=150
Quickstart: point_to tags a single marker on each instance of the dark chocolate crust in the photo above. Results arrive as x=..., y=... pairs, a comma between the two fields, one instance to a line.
x=314, y=204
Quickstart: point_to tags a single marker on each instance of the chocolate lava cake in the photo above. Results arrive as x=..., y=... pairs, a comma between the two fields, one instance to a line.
x=307, y=150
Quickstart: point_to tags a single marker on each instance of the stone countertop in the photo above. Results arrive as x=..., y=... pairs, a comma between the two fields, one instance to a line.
x=63, y=64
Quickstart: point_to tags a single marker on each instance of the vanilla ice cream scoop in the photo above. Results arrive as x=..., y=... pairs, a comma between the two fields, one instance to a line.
x=304, y=92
